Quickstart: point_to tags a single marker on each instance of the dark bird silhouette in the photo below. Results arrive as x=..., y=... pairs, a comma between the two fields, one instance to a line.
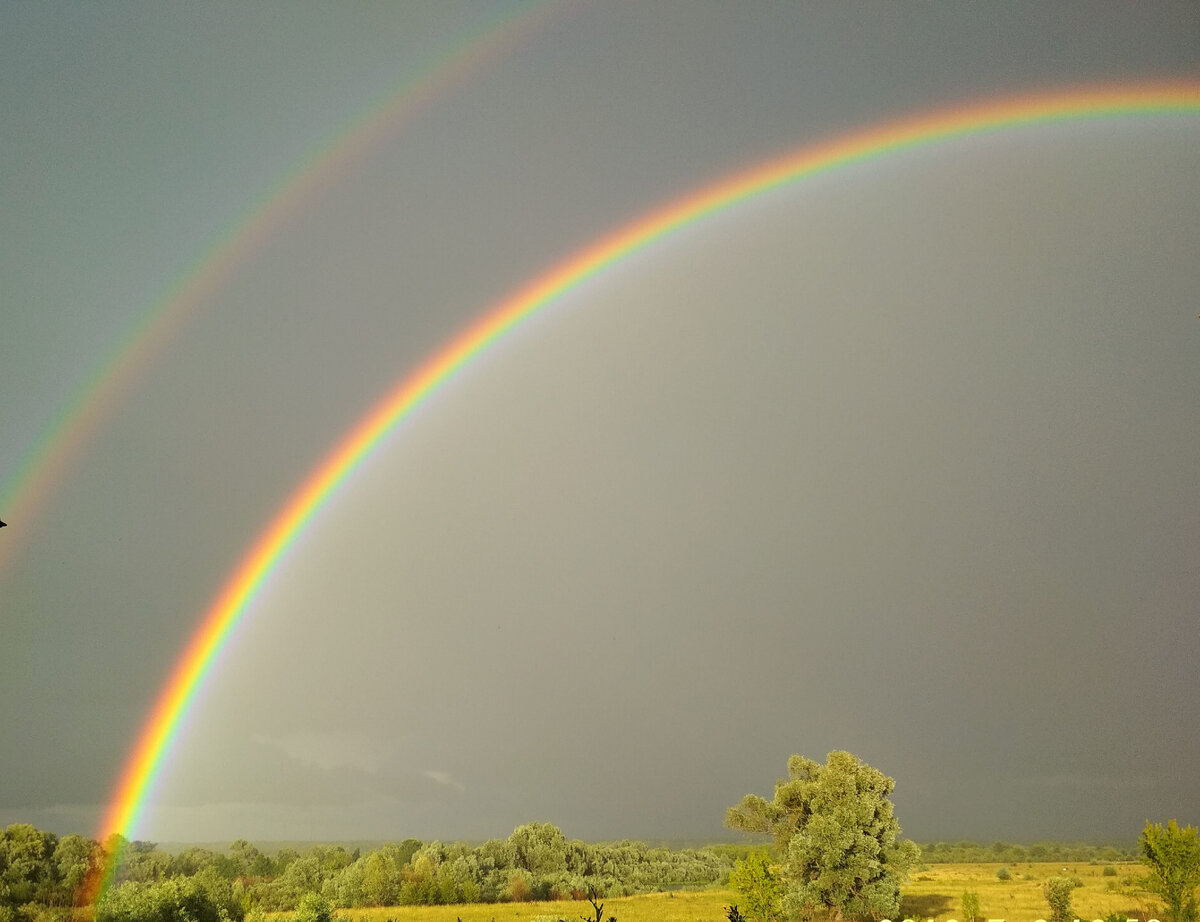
x=2, y=524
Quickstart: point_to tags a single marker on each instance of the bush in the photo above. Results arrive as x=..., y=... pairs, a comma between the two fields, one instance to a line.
x=519, y=888
x=199, y=899
x=1058, y=895
x=1004, y=874
x=313, y=908
x=1109, y=871
x=970, y=905
x=759, y=887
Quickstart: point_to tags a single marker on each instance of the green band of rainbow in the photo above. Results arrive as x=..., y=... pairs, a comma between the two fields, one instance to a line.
x=146, y=760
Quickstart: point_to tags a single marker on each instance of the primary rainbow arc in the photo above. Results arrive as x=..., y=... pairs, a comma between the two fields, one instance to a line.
x=167, y=717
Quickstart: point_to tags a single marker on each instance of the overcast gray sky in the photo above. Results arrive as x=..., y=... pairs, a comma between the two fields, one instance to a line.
x=900, y=460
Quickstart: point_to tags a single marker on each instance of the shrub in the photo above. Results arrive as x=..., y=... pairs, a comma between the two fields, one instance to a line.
x=1058, y=895
x=313, y=908
x=1109, y=871
x=970, y=905
x=519, y=888
x=195, y=898
x=759, y=887
x=1004, y=874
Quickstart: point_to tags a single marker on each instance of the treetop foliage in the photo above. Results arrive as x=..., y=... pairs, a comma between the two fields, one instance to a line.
x=835, y=828
x=1172, y=854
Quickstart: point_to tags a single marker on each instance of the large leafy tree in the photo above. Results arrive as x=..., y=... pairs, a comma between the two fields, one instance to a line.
x=1173, y=856
x=838, y=837
x=539, y=848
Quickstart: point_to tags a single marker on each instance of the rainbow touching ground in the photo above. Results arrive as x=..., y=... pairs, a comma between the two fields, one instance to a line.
x=146, y=762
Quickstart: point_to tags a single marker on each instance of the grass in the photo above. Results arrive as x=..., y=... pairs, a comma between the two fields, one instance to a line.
x=679, y=906
x=933, y=894
x=936, y=893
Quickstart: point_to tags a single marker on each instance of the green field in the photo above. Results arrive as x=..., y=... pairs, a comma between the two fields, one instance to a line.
x=936, y=893
x=931, y=894
x=681, y=906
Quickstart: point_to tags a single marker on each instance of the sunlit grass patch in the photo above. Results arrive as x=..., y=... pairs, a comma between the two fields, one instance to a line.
x=936, y=892
x=675, y=906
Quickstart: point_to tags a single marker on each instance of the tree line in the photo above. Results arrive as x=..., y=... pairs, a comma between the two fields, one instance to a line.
x=41, y=876
x=965, y=852
x=836, y=854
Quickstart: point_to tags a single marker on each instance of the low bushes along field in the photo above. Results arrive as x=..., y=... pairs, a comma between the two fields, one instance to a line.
x=931, y=894
x=936, y=893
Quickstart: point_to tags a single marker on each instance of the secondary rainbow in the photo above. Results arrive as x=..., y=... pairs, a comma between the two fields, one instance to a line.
x=235, y=597
x=22, y=494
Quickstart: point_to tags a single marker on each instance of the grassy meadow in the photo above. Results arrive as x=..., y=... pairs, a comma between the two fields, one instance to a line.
x=931, y=894
x=936, y=893
x=680, y=906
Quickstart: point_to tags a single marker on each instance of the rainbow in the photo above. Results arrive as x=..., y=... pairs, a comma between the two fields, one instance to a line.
x=167, y=717
x=28, y=488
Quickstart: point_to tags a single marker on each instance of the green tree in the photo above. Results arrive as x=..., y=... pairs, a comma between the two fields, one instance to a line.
x=759, y=887
x=380, y=879
x=837, y=830
x=539, y=848
x=970, y=905
x=27, y=869
x=418, y=885
x=1058, y=895
x=1173, y=856
x=75, y=859
x=247, y=861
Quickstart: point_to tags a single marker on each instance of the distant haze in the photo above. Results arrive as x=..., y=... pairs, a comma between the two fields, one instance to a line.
x=899, y=460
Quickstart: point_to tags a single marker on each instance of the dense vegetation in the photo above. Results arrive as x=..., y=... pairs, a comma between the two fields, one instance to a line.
x=41, y=875
x=1009, y=853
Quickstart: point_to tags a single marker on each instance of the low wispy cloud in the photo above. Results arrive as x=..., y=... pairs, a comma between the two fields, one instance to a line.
x=442, y=778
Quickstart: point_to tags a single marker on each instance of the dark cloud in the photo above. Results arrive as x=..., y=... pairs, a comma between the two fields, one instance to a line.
x=899, y=461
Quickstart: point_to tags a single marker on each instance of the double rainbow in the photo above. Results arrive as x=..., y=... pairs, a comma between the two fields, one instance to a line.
x=234, y=599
